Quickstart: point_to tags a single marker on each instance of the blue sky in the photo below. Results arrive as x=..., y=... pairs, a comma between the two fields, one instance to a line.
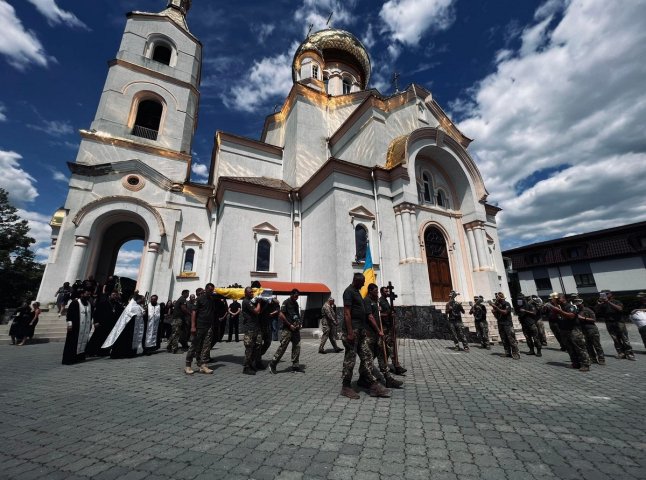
x=551, y=91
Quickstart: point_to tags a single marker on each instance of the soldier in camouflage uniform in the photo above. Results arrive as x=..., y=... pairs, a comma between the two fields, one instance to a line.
x=268, y=313
x=374, y=337
x=538, y=303
x=571, y=334
x=501, y=309
x=180, y=315
x=479, y=312
x=547, y=314
x=454, y=311
x=251, y=325
x=611, y=311
x=587, y=319
x=354, y=341
x=328, y=325
x=527, y=314
x=386, y=311
x=290, y=315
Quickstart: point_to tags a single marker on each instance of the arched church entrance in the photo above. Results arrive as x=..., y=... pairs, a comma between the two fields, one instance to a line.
x=437, y=260
x=110, y=243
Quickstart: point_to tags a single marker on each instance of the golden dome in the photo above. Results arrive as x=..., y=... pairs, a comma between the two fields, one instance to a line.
x=339, y=45
x=58, y=217
x=396, y=152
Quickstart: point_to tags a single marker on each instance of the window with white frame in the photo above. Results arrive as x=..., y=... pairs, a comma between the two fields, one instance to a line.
x=263, y=255
x=189, y=260
x=347, y=86
x=265, y=239
x=427, y=188
x=360, y=242
x=161, y=49
x=315, y=71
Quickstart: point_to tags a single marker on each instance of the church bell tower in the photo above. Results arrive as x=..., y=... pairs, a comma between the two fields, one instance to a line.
x=148, y=107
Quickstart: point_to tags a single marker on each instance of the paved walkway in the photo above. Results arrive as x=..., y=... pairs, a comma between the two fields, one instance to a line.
x=467, y=416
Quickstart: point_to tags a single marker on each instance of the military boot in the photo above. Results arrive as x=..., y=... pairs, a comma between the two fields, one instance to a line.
x=531, y=352
x=348, y=392
x=538, y=352
x=248, y=371
x=378, y=390
x=363, y=383
x=393, y=383
x=399, y=370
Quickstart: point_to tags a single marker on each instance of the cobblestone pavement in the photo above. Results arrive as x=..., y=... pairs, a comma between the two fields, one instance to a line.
x=460, y=415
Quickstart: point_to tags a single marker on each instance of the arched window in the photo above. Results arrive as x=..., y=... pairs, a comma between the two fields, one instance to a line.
x=326, y=83
x=441, y=199
x=189, y=257
x=347, y=86
x=360, y=243
x=162, y=54
x=427, y=188
x=315, y=71
x=149, y=113
x=263, y=255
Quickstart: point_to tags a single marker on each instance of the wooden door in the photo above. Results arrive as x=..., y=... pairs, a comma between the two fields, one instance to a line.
x=437, y=259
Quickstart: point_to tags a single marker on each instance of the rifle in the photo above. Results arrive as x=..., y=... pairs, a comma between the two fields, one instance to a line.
x=391, y=297
x=383, y=341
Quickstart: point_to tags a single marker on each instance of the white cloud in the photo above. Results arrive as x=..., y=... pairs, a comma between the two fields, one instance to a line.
x=40, y=231
x=200, y=170
x=407, y=20
x=59, y=176
x=571, y=95
x=3, y=109
x=128, y=263
x=264, y=30
x=20, y=47
x=17, y=182
x=55, y=15
x=369, y=37
x=317, y=12
x=55, y=128
x=269, y=78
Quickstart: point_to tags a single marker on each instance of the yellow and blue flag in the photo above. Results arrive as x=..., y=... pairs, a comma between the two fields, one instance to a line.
x=368, y=272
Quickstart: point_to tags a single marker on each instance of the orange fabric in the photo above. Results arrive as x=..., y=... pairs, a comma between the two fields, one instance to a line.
x=280, y=288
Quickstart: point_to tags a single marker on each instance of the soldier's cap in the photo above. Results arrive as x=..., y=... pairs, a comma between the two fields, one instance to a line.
x=330, y=299
x=554, y=295
x=480, y=297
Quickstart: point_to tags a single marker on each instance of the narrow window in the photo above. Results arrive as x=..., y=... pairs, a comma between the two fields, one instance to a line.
x=441, y=199
x=426, y=182
x=189, y=257
x=326, y=83
x=148, y=119
x=315, y=71
x=162, y=54
x=360, y=242
x=263, y=256
x=346, y=86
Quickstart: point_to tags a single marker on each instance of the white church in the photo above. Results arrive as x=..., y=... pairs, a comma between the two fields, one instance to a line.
x=338, y=169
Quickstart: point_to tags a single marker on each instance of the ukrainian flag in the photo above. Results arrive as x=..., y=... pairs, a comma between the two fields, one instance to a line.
x=368, y=272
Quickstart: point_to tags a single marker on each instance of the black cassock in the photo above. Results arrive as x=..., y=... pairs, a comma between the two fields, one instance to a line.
x=125, y=338
x=106, y=315
x=79, y=323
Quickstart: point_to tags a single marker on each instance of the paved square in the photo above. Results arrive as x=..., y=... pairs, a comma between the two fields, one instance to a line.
x=467, y=416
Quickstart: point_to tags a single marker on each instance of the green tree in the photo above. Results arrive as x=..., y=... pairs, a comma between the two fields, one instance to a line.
x=20, y=274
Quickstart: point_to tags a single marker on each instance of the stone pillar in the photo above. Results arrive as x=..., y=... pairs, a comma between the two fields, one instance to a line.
x=480, y=246
x=400, y=234
x=76, y=259
x=146, y=282
x=413, y=232
x=408, y=239
x=472, y=248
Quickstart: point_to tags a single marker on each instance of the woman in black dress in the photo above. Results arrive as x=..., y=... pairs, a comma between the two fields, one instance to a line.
x=30, y=327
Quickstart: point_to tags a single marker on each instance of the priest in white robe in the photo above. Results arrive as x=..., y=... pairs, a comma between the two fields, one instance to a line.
x=79, y=326
x=125, y=338
x=154, y=316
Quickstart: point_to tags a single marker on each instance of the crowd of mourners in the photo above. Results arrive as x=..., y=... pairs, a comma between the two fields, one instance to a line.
x=572, y=322
x=101, y=323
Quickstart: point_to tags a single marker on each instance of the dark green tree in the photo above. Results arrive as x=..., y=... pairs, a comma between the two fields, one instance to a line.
x=20, y=274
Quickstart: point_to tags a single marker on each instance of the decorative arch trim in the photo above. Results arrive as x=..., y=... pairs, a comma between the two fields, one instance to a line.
x=101, y=205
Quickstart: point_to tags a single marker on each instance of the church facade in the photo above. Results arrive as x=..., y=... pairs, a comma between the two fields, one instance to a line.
x=338, y=170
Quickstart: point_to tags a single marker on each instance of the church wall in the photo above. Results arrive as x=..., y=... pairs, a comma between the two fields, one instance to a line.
x=309, y=133
x=236, y=247
x=95, y=153
x=243, y=161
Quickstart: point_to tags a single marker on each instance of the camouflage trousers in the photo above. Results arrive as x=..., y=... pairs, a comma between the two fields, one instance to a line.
x=574, y=342
x=209, y=341
x=457, y=333
x=541, y=331
x=286, y=337
x=482, y=330
x=252, y=341
x=508, y=338
x=556, y=331
x=376, y=345
x=359, y=346
x=619, y=335
x=329, y=331
x=197, y=347
x=593, y=341
x=532, y=337
x=390, y=345
x=265, y=334
x=175, y=336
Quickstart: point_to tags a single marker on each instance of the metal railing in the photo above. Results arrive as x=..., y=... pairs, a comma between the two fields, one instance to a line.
x=144, y=132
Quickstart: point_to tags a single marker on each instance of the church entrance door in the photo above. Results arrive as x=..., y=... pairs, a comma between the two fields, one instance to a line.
x=437, y=260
